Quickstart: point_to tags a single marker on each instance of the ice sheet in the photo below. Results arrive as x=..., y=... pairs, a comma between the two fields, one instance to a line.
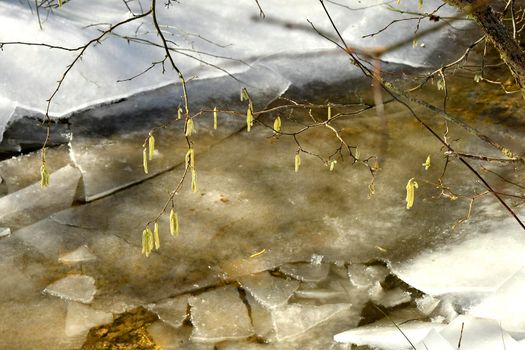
x=283, y=40
x=79, y=288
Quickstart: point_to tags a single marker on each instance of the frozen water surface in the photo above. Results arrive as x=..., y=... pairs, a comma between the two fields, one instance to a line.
x=253, y=219
x=172, y=311
x=292, y=320
x=75, y=287
x=219, y=315
x=80, y=318
x=81, y=254
x=33, y=203
x=268, y=290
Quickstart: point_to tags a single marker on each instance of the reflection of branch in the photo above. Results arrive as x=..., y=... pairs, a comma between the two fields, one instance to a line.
x=261, y=12
x=400, y=97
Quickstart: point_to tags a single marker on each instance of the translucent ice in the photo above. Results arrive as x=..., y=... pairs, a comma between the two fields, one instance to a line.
x=268, y=290
x=364, y=276
x=386, y=336
x=81, y=254
x=22, y=171
x=79, y=288
x=33, y=203
x=478, y=334
x=219, y=315
x=306, y=272
x=505, y=306
x=173, y=311
x=80, y=318
x=427, y=304
x=5, y=231
x=292, y=320
x=434, y=340
x=388, y=298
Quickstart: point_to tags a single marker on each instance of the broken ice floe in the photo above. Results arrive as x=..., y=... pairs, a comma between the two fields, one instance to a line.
x=79, y=288
x=109, y=154
x=306, y=272
x=427, y=304
x=388, y=298
x=81, y=254
x=464, y=332
x=173, y=311
x=209, y=311
x=319, y=293
x=268, y=290
x=33, y=203
x=386, y=336
x=292, y=320
x=364, y=276
x=505, y=305
x=5, y=231
x=80, y=318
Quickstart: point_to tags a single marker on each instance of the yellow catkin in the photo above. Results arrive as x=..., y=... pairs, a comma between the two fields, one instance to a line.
x=190, y=158
x=179, y=113
x=189, y=127
x=145, y=160
x=244, y=95
x=174, y=223
x=151, y=146
x=44, y=175
x=147, y=241
x=215, y=118
x=249, y=118
x=277, y=124
x=332, y=164
x=194, y=187
x=297, y=162
x=411, y=187
x=156, y=235
x=426, y=164
x=329, y=112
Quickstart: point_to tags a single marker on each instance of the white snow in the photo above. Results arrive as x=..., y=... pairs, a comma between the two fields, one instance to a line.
x=386, y=335
x=202, y=31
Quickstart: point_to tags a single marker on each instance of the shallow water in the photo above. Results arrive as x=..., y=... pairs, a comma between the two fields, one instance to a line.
x=317, y=238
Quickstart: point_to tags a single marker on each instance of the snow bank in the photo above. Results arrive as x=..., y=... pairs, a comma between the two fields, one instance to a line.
x=230, y=36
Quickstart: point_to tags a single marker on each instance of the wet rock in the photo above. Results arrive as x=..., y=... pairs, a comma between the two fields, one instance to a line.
x=219, y=315
x=268, y=290
x=169, y=338
x=79, y=288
